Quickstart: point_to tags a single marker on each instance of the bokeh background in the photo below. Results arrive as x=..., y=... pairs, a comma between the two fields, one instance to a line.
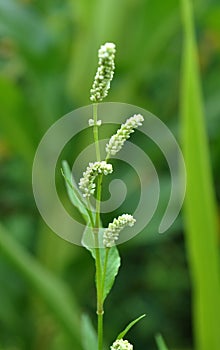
x=48, y=58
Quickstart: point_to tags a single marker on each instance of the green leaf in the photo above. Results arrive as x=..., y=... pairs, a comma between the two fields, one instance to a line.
x=88, y=240
x=74, y=194
x=200, y=210
x=89, y=336
x=160, y=342
x=53, y=292
x=131, y=324
x=113, y=265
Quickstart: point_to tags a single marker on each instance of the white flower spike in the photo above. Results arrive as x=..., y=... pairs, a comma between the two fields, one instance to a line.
x=117, y=140
x=111, y=234
x=86, y=183
x=105, y=72
x=121, y=344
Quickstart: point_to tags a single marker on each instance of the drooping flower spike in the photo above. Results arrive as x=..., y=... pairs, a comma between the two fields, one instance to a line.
x=105, y=72
x=87, y=182
x=121, y=344
x=111, y=234
x=123, y=133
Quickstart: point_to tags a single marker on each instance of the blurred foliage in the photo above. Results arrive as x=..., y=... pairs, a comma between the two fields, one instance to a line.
x=48, y=57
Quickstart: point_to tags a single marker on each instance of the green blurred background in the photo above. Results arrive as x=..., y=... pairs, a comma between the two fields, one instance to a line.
x=48, y=57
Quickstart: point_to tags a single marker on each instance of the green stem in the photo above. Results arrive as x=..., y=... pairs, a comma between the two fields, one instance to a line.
x=100, y=310
x=99, y=274
x=96, y=131
x=100, y=331
x=107, y=157
x=90, y=213
x=98, y=199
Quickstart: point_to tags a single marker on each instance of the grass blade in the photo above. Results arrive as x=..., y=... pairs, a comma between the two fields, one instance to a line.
x=200, y=210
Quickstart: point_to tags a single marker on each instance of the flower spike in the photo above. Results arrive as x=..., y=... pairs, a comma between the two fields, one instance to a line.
x=111, y=234
x=117, y=140
x=121, y=344
x=104, y=74
x=87, y=182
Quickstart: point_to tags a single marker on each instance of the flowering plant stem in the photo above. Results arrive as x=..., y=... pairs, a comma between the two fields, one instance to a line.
x=107, y=258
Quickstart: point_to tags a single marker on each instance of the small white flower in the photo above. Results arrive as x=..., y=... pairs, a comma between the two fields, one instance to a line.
x=121, y=344
x=92, y=122
x=99, y=122
x=117, y=140
x=86, y=183
x=111, y=234
x=104, y=72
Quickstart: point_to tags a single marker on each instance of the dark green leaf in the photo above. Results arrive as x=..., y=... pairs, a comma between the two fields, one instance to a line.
x=113, y=265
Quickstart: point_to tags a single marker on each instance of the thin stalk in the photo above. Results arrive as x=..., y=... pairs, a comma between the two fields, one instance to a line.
x=99, y=274
x=100, y=310
x=96, y=131
x=98, y=200
x=90, y=213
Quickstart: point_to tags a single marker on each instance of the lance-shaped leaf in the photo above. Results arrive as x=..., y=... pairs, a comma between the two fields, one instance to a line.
x=113, y=263
x=131, y=324
x=75, y=195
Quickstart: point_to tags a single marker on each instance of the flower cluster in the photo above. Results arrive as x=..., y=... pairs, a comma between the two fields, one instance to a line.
x=87, y=182
x=121, y=344
x=117, y=141
x=111, y=234
x=104, y=72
